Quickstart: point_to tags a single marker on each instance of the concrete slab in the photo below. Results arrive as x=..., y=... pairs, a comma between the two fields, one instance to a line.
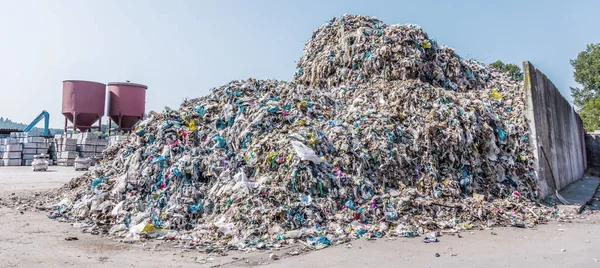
x=581, y=191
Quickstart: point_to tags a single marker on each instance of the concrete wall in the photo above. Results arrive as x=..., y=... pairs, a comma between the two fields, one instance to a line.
x=592, y=146
x=557, y=133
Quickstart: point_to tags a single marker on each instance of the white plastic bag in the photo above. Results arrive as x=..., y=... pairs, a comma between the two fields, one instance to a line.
x=305, y=153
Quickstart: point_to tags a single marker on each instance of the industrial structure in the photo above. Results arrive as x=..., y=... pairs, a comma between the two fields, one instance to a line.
x=127, y=103
x=43, y=115
x=83, y=104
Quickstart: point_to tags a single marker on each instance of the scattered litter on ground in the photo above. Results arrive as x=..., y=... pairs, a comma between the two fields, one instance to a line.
x=430, y=239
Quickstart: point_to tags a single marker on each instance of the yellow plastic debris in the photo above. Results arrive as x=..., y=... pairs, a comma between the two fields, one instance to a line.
x=148, y=228
x=312, y=140
x=192, y=125
x=303, y=105
x=426, y=44
x=496, y=95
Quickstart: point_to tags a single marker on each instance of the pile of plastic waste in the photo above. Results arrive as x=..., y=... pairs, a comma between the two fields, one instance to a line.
x=39, y=163
x=357, y=50
x=381, y=132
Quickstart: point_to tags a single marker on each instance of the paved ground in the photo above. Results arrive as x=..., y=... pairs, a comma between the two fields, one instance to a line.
x=581, y=191
x=23, y=179
x=30, y=239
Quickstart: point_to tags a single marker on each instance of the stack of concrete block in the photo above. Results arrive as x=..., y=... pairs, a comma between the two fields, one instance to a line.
x=19, y=148
x=115, y=139
x=102, y=145
x=20, y=136
x=90, y=144
x=33, y=146
x=65, y=150
x=10, y=152
x=52, y=151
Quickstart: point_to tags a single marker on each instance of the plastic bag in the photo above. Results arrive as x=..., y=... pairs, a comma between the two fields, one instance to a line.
x=305, y=153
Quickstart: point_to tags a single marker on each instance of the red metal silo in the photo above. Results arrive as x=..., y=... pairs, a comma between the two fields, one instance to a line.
x=83, y=104
x=127, y=103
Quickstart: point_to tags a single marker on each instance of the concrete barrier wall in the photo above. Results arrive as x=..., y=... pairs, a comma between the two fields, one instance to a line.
x=557, y=133
x=592, y=142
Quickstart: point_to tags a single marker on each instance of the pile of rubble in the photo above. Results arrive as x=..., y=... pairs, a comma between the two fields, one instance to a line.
x=381, y=132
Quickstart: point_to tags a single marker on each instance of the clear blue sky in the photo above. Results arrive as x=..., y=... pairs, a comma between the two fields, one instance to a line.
x=183, y=48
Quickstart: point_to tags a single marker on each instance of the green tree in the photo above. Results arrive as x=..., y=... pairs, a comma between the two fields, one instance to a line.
x=512, y=69
x=590, y=114
x=587, y=74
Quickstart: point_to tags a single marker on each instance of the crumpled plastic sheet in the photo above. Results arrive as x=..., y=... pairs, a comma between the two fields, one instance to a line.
x=381, y=132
